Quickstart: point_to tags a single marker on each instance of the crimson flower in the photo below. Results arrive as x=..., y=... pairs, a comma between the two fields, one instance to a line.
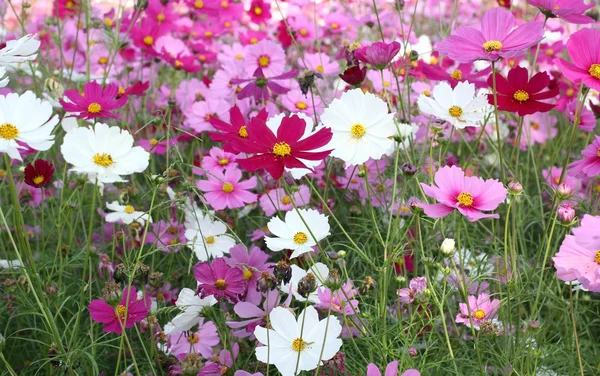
x=95, y=102
x=378, y=54
x=232, y=134
x=39, y=174
x=286, y=149
x=355, y=75
x=138, y=89
x=517, y=93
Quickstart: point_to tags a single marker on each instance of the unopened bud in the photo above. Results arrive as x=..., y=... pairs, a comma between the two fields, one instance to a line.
x=515, y=188
x=342, y=254
x=333, y=280
x=566, y=213
x=564, y=191
x=412, y=352
x=448, y=246
x=409, y=169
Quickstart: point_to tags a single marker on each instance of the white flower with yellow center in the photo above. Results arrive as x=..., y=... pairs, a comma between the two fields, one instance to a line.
x=19, y=50
x=126, y=214
x=104, y=152
x=362, y=127
x=191, y=306
x=207, y=238
x=460, y=106
x=25, y=119
x=300, y=231
x=298, y=344
x=319, y=270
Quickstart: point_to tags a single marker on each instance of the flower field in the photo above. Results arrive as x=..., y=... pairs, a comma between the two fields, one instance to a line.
x=300, y=187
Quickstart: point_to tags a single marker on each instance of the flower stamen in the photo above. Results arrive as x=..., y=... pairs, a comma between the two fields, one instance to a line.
x=300, y=238
x=358, y=131
x=492, y=45
x=8, y=131
x=282, y=149
x=465, y=199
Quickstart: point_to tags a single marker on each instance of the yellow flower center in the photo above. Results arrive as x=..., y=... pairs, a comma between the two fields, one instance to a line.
x=286, y=200
x=199, y=4
x=465, y=199
x=239, y=56
x=160, y=17
x=148, y=40
x=521, y=95
x=209, y=239
x=178, y=64
x=301, y=105
x=103, y=60
x=264, y=61
x=227, y=187
x=535, y=126
x=334, y=25
x=426, y=93
x=570, y=92
x=220, y=284
x=479, y=314
x=153, y=141
x=597, y=257
x=103, y=159
x=282, y=149
x=69, y=4
x=358, y=131
x=303, y=32
x=595, y=71
x=556, y=7
x=223, y=161
x=120, y=311
x=225, y=4
x=94, y=108
x=8, y=131
x=248, y=274
x=492, y=45
x=129, y=209
x=208, y=34
x=455, y=111
x=457, y=74
x=319, y=68
x=243, y=132
x=38, y=180
x=300, y=238
x=258, y=11
x=253, y=40
x=549, y=52
x=193, y=338
x=298, y=345
x=598, y=152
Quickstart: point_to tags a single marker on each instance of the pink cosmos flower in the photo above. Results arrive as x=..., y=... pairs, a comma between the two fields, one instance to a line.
x=378, y=54
x=96, y=102
x=553, y=178
x=417, y=285
x=267, y=55
x=461, y=73
x=190, y=91
x=260, y=11
x=538, y=128
x=220, y=280
x=390, y=370
x=260, y=87
x=252, y=262
x=496, y=38
x=320, y=63
x=277, y=199
x=569, y=10
x=255, y=316
x=224, y=190
x=587, y=234
x=218, y=159
x=575, y=262
x=338, y=301
x=585, y=53
x=295, y=101
x=199, y=114
x=590, y=164
x=200, y=341
x=167, y=235
x=587, y=120
x=128, y=312
x=481, y=308
x=467, y=194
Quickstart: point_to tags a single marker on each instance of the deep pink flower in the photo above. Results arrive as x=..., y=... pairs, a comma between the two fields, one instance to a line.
x=95, y=102
x=569, y=10
x=467, y=194
x=481, y=309
x=287, y=149
x=590, y=164
x=584, y=51
x=496, y=38
x=128, y=312
x=390, y=370
x=220, y=280
x=224, y=190
x=576, y=262
x=200, y=341
x=378, y=54
x=232, y=134
x=260, y=11
x=218, y=159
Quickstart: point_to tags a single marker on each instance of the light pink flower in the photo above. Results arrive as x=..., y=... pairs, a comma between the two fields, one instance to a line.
x=575, y=262
x=390, y=370
x=199, y=114
x=468, y=194
x=267, y=55
x=277, y=199
x=218, y=160
x=587, y=234
x=225, y=190
x=481, y=308
x=339, y=301
x=200, y=341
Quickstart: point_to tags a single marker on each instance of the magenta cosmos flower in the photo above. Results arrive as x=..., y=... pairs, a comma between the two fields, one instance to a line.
x=481, y=309
x=569, y=10
x=590, y=164
x=224, y=190
x=232, y=134
x=95, y=102
x=124, y=315
x=390, y=370
x=379, y=54
x=584, y=50
x=220, y=280
x=467, y=194
x=260, y=87
x=575, y=262
x=496, y=38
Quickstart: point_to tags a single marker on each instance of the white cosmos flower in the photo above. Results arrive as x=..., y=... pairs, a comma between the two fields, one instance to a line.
x=361, y=125
x=8, y=264
x=295, y=345
x=3, y=82
x=191, y=305
x=104, y=152
x=319, y=270
x=26, y=119
x=20, y=50
x=459, y=106
x=207, y=238
x=294, y=234
x=126, y=214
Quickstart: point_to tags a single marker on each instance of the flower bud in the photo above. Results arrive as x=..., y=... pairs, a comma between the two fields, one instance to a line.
x=342, y=254
x=412, y=352
x=266, y=282
x=515, y=188
x=306, y=285
x=566, y=213
x=333, y=280
x=409, y=169
x=401, y=279
x=448, y=246
x=564, y=191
